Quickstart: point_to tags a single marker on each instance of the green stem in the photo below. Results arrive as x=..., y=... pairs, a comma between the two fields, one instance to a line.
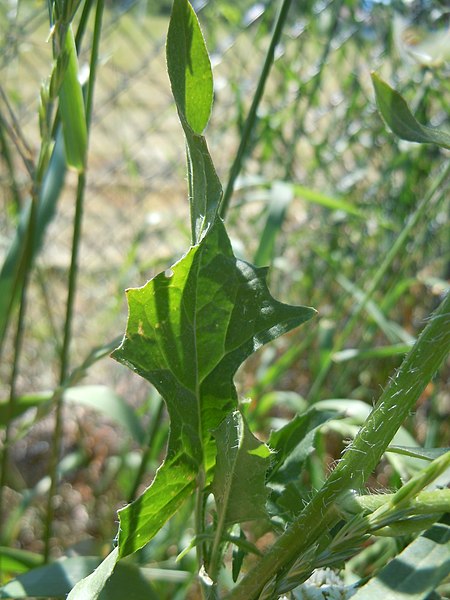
x=398, y=245
x=18, y=344
x=72, y=286
x=251, y=118
x=351, y=472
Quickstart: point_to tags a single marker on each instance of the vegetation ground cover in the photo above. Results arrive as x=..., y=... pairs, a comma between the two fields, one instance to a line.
x=312, y=171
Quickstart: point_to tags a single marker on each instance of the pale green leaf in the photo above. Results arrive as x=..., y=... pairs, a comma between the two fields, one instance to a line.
x=103, y=399
x=239, y=479
x=71, y=106
x=415, y=572
x=188, y=331
x=423, y=453
x=397, y=115
x=91, y=586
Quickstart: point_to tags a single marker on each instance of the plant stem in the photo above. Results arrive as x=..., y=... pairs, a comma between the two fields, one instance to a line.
x=18, y=344
x=251, y=118
x=351, y=472
x=398, y=245
x=72, y=286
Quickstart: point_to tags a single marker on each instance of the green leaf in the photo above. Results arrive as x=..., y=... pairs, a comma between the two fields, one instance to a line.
x=415, y=572
x=423, y=453
x=103, y=399
x=189, y=67
x=55, y=579
x=294, y=442
x=98, y=397
x=92, y=585
x=331, y=202
x=71, y=106
x=239, y=479
x=14, y=560
x=188, y=331
x=192, y=86
x=281, y=197
x=397, y=115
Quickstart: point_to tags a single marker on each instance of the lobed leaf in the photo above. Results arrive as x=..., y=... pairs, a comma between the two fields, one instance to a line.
x=397, y=115
x=188, y=331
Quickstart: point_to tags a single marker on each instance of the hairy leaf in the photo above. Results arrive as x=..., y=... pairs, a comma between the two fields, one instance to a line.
x=188, y=331
x=239, y=480
x=397, y=115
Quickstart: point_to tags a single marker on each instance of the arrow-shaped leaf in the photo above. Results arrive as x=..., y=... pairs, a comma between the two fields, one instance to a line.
x=397, y=115
x=188, y=331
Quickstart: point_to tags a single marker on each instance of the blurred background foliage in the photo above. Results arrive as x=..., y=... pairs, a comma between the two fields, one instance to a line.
x=323, y=195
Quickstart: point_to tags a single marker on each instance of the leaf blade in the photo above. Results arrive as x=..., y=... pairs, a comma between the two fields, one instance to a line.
x=188, y=331
x=399, y=118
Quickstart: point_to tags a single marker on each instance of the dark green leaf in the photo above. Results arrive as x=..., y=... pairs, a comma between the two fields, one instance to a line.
x=294, y=442
x=188, y=331
x=397, y=115
x=239, y=479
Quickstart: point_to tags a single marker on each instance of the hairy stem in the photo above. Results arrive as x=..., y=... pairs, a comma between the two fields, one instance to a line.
x=371, y=441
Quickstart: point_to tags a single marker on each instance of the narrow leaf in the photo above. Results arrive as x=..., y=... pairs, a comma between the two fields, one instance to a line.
x=281, y=197
x=331, y=202
x=189, y=67
x=399, y=118
x=91, y=586
x=192, y=86
x=294, y=442
x=188, y=331
x=415, y=572
x=71, y=106
x=13, y=269
x=423, y=453
x=239, y=479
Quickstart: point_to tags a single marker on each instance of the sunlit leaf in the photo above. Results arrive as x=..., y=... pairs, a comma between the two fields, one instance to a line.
x=397, y=115
x=415, y=572
x=189, y=67
x=71, y=106
x=188, y=331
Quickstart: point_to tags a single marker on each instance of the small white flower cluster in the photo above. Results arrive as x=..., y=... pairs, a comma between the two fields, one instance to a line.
x=324, y=584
